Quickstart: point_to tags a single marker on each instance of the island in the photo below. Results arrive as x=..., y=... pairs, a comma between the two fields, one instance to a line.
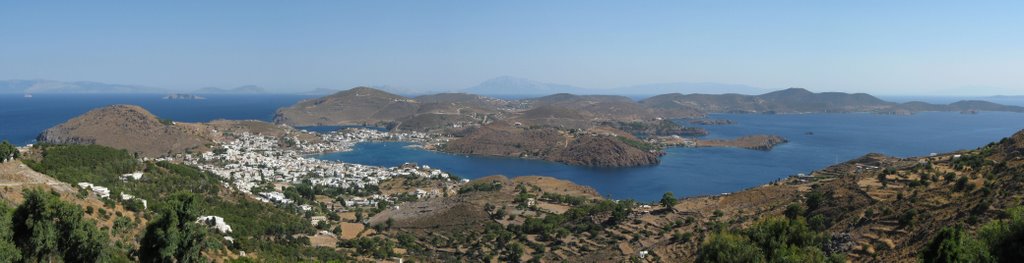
x=753, y=142
x=183, y=96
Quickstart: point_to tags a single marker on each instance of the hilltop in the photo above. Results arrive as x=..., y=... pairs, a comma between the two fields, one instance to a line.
x=135, y=129
x=369, y=106
x=128, y=127
x=604, y=148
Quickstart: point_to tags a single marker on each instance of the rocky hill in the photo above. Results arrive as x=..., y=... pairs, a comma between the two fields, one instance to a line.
x=587, y=148
x=135, y=129
x=371, y=106
x=129, y=127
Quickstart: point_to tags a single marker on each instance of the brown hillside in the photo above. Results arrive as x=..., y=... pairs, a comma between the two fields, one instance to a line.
x=129, y=127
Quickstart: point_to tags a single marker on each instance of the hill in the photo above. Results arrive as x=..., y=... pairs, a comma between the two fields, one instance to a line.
x=796, y=100
x=792, y=100
x=138, y=131
x=602, y=147
x=363, y=105
x=129, y=127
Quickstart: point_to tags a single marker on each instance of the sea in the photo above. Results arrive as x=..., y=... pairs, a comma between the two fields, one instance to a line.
x=815, y=141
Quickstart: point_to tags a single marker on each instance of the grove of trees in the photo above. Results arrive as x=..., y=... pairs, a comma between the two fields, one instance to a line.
x=46, y=228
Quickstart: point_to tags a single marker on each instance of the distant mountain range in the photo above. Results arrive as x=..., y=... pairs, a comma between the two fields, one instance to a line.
x=238, y=90
x=52, y=86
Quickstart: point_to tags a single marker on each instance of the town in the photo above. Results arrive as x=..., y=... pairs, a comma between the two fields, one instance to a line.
x=254, y=160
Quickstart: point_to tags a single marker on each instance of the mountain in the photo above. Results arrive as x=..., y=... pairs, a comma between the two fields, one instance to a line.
x=237, y=90
x=514, y=86
x=686, y=88
x=51, y=86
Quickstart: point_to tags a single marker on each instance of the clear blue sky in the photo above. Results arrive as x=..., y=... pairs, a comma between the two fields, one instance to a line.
x=882, y=47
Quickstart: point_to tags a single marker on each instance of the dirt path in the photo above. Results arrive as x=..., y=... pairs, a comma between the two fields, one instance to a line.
x=15, y=176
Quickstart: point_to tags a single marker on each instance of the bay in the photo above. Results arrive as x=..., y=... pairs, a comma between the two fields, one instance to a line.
x=708, y=171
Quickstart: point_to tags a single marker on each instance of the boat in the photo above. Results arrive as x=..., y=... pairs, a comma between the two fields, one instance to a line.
x=28, y=96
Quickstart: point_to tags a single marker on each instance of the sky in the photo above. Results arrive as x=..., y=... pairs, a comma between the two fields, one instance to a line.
x=881, y=47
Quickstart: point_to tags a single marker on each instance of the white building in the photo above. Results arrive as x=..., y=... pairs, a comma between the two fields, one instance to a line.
x=216, y=222
x=100, y=191
x=133, y=176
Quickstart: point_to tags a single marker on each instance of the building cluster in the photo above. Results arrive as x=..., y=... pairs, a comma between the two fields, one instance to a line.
x=103, y=192
x=252, y=160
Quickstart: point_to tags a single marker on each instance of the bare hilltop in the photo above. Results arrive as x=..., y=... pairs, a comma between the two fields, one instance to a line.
x=135, y=129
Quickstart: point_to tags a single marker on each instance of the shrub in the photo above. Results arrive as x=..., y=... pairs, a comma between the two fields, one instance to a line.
x=953, y=245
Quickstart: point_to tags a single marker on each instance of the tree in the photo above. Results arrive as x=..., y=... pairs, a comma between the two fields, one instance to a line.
x=8, y=251
x=953, y=245
x=668, y=200
x=46, y=228
x=8, y=151
x=727, y=247
x=174, y=237
x=1005, y=238
x=794, y=210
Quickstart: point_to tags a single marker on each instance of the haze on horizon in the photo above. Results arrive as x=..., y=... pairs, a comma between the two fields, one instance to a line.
x=879, y=47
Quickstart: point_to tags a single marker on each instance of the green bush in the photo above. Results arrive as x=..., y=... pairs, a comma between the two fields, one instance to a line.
x=953, y=245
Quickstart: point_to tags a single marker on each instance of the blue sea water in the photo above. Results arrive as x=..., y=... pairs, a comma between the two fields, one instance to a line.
x=703, y=171
x=684, y=171
x=21, y=119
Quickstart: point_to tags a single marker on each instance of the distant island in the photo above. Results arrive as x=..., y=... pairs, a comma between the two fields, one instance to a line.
x=38, y=86
x=182, y=96
x=237, y=90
